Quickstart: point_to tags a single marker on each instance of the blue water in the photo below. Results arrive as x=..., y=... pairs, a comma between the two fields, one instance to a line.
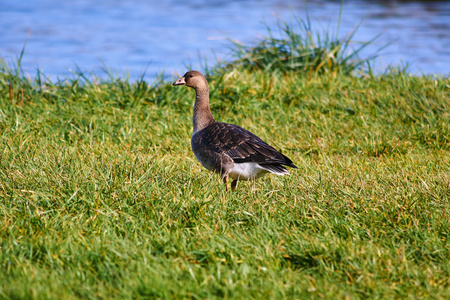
x=130, y=37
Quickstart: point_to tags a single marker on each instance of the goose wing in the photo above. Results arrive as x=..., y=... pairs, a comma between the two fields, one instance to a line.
x=240, y=145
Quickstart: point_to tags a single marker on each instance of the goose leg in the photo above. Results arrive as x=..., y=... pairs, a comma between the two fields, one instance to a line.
x=234, y=184
x=225, y=180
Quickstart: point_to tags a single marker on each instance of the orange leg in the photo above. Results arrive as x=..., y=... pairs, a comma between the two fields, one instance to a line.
x=234, y=184
x=225, y=180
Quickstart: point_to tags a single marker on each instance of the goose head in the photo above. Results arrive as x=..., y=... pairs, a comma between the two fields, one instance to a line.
x=193, y=79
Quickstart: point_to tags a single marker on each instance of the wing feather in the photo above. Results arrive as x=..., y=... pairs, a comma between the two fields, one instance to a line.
x=242, y=146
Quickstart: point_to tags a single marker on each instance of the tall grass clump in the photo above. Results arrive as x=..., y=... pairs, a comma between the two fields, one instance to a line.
x=299, y=48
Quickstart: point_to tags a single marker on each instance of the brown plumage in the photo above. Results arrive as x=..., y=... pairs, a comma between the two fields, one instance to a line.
x=228, y=149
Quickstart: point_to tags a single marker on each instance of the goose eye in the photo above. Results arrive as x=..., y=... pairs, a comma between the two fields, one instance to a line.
x=191, y=75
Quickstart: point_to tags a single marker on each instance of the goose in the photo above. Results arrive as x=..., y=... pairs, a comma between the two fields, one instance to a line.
x=228, y=149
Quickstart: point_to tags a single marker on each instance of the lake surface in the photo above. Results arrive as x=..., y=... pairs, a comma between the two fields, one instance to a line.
x=130, y=37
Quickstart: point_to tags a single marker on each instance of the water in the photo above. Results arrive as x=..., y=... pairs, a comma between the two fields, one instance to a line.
x=154, y=36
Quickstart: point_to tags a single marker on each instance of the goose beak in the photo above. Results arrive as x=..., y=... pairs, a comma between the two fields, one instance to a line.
x=180, y=81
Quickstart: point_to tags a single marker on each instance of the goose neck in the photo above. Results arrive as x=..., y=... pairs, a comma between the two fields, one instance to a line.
x=202, y=114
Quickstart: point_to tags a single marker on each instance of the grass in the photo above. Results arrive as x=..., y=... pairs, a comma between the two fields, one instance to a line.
x=297, y=47
x=101, y=197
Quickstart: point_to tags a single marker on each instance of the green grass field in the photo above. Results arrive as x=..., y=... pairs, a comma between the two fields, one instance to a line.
x=101, y=196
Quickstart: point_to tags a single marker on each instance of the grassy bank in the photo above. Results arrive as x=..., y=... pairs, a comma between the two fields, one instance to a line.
x=101, y=196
